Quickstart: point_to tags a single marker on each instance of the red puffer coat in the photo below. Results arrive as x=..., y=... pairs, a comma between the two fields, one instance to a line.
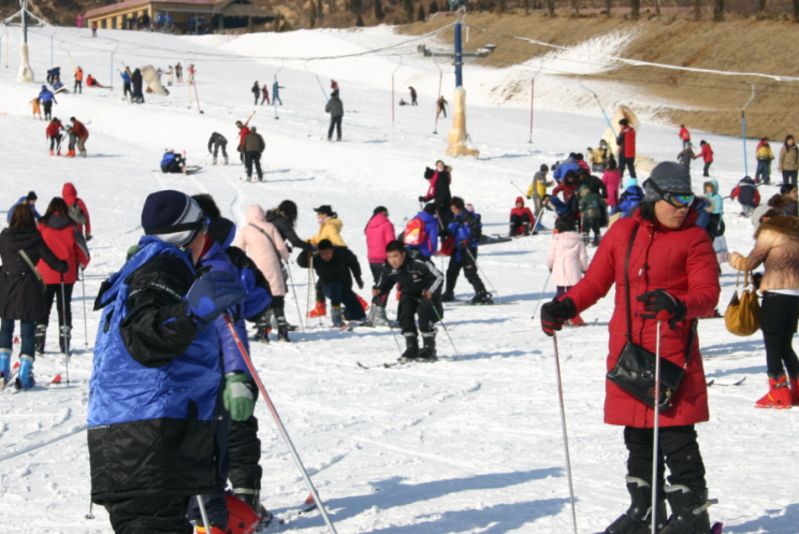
x=681, y=262
x=64, y=238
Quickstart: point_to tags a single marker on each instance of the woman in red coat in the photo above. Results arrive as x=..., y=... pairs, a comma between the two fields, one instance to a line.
x=65, y=239
x=673, y=277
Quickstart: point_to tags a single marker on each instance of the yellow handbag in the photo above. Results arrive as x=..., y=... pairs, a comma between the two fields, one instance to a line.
x=742, y=317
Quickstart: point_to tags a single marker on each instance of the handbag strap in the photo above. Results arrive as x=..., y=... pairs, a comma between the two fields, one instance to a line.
x=272, y=241
x=29, y=263
x=627, y=283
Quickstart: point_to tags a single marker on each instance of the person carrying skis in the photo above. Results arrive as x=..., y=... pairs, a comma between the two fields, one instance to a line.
x=21, y=291
x=262, y=242
x=159, y=340
x=438, y=191
x=77, y=210
x=379, y=233
x=521, y=219
x=420, y=284
x=47, y=99
x=665, y=272
x=335, y=107
x=78, y=89
x=764, y=157
x=788, y=162
x=256, y=91
x=336, y=266
x=626, y=142
x=777, y=248
x=65, y=239
x=441, y=106
x=77, y=131
x=747, y=194
x=217, y=142
x=685, y=136
x=706, y=153
x=466, y=231
x=53, y=133
x=567, y=259
x=172, y=163
x=264, y=95
x=243, y=133
x=127, y=92
x=414, y=96
x=254, y=146
x=28, y=200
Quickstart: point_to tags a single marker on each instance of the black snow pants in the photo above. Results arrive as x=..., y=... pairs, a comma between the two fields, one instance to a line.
x=335, y=123
x=778, y=317
x=410, y=306
x=468, y=262
x=678, y=450
x=156, y=514
x=250, y=159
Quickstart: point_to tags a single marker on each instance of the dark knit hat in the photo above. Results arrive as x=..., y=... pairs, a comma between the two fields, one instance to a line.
x=324, y=244
x=172, y=216
x=667, y=177
x=324, y=209
x=31, y=196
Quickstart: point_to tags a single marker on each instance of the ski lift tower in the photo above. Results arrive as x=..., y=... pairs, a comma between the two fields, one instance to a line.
x=457, y=139
x=21, y=18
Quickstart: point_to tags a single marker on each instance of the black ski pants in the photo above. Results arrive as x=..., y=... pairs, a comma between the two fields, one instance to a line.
x=592, y=225
x=462, y=259
x=778, y=317
x=520, y=221
x=335, y=123
x=278, y=307
x=55, y=142
x=627, y=163
x=53, y=292
x=788, y=177
x=706, y=169
x=154, y=514
x=428, y=310
x=220, y=145
x=127, y=91
x=78, y=87
x=48, y=109
x=340, y=294
x=253, y=158
x=678, y=450
x=376, y=269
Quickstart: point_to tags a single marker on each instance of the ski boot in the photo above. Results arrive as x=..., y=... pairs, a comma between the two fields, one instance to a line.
x=483, y=297
x=70, y=153
x=245, y=511
x=282, y=330
x=5, y=366
x=411, y=347
x=65, y=338
x=428, y=350
x=319, y=311
x=226, y=160
x=337, y=316
x=795, y=390
x=638, y=519
x=262, y=328
x=25, y=377
x=779, y=395
x=689, y=511
x=39, y=338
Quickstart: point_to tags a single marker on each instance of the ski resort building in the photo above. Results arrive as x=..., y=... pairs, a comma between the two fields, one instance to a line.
x=178, y=16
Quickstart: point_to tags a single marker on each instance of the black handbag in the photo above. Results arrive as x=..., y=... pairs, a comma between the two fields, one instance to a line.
x=634, y=371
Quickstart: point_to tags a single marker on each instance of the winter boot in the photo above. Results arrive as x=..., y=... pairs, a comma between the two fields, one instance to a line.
x=337, y=316
x=40, y=337
x=638, y=519
x=512, y=232
x=64, y=339
x=70, y=153
x=5, y=366
x=482, y=297
x=226, y=160
x=428, y=350
x=411, y=347
x=25, y=377
x=377, y=316
x=448, y=296
x=319, y=311
x=688, y=511
x=795, y=390
x=779, y=395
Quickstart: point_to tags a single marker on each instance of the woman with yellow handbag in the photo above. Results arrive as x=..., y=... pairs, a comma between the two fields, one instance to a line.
x=777, y=248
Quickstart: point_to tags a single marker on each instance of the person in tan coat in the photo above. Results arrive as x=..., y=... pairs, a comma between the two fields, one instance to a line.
x=777, y=248
x=261, y=241
x=789, y=161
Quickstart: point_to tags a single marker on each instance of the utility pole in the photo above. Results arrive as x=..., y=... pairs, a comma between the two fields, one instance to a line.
x=25, y=72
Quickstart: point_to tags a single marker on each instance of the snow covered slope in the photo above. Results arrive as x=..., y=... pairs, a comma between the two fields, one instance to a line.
x=469, y=444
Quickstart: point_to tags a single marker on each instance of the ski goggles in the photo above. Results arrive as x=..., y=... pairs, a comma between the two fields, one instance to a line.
x=677, y=200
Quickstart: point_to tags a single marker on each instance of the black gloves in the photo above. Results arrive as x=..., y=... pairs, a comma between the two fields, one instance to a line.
x=428, y=173
x=359, y=281
x=422, y=199
x=662, y=307
x=555, y=313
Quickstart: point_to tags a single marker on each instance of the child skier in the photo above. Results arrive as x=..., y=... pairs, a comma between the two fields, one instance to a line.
x=466, y=231
x=537, y=191
x=715, y=209
x=591, y=209
x=521, y=219
x=747, y=194
x=36, y=109
x=567, y=259
x=172, y=162
x=421, y=286
x=53, y=133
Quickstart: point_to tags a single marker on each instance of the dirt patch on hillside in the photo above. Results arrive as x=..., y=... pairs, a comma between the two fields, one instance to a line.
x=711, y=102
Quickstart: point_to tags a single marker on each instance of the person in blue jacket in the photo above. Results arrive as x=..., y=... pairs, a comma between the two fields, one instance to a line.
x=565, y=166
x=47, y=99
x=428, y=246
x=629, y=200
x=465, y=229
x=156, y=378
x=172, y=162
x=30, y=200
x=238, y=432
x=127, y=77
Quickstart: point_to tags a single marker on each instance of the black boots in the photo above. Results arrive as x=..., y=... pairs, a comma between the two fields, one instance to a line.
x=638, y=519
x=428, y=351
x=689, y=511
x=411, y=346
x=39, y=338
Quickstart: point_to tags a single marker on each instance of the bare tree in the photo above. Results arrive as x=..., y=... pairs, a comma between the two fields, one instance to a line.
x=526, y=7
x=635, y=9
x=576, y=7
x=761, y=7
x=796, y=10
x=551, y=7
x=331, y=6
x=697, y=9
x=408, y=6
x=718, y=10
x=320, y=10
x=608, y=6
x=379, y=14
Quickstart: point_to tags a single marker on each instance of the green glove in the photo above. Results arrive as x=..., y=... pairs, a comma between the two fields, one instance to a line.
x=239, y=396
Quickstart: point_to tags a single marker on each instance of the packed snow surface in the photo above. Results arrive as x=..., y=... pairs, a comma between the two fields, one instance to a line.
x=471, y=443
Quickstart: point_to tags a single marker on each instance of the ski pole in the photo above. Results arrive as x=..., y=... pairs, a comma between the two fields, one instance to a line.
x=281, y=428
x=203, y=513
x=656, y=431
x=565, y=435
x=394, y=336
x=444, y=326
x=519, y=189
x=538, y=218
x=294, y=292
x=308, y=294
x=85, y=324
x=90, y=515
x=64, y=325
x=469, y=252
x=541, y=295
